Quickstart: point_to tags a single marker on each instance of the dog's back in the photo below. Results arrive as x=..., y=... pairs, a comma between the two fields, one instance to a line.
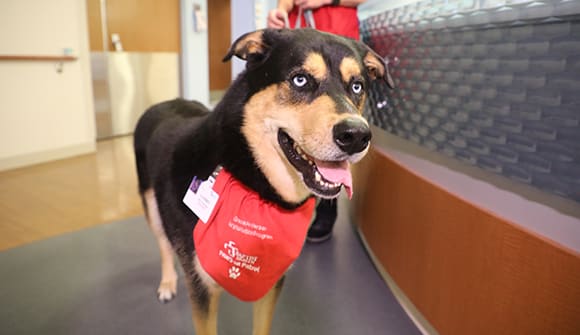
x=175, y=114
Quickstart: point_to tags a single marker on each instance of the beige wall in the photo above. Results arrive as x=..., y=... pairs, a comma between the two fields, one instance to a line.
x=44, y=114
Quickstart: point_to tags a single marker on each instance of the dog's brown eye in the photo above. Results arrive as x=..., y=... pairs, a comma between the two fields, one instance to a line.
x=357, y=87
x=299, y=80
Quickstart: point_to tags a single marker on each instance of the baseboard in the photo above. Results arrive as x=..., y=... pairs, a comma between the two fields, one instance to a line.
x=19, y=161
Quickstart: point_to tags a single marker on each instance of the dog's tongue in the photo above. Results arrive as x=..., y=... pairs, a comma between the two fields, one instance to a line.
x=336, y=172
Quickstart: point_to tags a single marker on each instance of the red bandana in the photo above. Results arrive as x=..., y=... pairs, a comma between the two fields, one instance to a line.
x=248, y=243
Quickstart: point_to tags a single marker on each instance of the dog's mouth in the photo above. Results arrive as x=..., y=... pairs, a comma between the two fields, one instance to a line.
x=323, y=178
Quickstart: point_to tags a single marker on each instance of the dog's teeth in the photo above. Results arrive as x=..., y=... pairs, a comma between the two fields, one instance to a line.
x=323, y=183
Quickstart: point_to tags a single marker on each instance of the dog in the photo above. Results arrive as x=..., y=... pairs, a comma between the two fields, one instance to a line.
x=286, y=131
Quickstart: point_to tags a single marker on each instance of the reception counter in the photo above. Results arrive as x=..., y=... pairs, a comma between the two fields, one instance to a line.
x=460, y=260
x=469, y=200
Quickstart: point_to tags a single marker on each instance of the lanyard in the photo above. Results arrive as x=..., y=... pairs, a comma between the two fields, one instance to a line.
x=308, y=19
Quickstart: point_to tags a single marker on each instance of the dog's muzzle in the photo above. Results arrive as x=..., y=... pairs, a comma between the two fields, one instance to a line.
x=352, y=135
x=323, y=178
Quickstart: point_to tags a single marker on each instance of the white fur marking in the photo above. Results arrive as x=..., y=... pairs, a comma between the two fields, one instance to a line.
x=168, y=286
x=153, y=213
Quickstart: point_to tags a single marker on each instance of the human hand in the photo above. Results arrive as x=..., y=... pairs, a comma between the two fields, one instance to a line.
x=277, y=19
x=311, y=4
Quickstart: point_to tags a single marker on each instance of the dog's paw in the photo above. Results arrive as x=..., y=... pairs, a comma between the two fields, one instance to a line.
x=167, y=291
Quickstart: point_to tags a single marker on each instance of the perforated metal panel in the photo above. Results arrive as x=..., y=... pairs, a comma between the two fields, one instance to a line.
x=495, y=84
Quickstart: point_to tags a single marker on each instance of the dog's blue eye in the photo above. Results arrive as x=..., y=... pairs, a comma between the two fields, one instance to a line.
x=357, y=87
x=300, y=80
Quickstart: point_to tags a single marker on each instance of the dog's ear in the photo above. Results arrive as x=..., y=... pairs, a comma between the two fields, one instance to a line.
x=377, y=67
x=248, y=47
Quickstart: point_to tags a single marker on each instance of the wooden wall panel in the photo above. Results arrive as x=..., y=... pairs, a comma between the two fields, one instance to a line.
x=95, y=25
x=219, y=39
x=145, y=25
x=467, y=270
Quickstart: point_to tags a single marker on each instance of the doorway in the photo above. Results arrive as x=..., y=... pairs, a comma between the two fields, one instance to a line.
x=141, y=69
x=219, y=40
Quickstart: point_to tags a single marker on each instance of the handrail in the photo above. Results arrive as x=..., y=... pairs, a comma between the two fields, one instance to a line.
x=39, y=58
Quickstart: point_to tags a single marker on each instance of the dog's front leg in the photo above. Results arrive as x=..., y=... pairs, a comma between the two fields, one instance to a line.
x=205, y=311
x=264, y=310
x=204, y=297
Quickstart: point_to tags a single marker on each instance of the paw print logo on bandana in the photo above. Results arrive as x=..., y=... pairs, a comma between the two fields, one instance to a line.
x=234, y=272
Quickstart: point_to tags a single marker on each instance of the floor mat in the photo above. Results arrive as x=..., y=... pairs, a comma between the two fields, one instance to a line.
x=102, y=280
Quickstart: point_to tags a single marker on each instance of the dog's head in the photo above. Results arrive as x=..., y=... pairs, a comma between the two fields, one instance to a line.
x=303, y=115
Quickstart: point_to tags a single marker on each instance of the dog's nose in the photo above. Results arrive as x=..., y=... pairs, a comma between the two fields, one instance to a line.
x=351, y=135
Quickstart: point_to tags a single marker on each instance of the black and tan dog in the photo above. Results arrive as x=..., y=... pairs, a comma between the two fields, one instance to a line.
x=287, y=129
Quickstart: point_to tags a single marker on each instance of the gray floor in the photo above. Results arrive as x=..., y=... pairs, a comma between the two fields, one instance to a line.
x=102, y=281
